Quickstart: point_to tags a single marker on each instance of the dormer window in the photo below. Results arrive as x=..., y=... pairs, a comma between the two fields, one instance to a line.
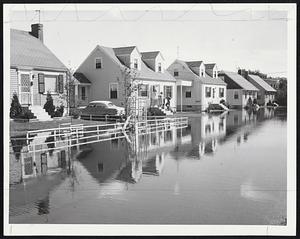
x=159, y=67
x=135, y=63
x=202, y=72
x=176, y=73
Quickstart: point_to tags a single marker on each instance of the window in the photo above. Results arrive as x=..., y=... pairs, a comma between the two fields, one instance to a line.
x=143, y=90
x=214, y=92
x=202, y=73
x=188, y=94
x=159, y=67
x=208, y=91
x=176, y=73
x=168, y=91
x=135, y=64
x=82, y=93
x=98, y=63
x=221, y=92
x=113, y=90
x=51, y=84
x=60, y=84
x=236, y=95
x=41, y=83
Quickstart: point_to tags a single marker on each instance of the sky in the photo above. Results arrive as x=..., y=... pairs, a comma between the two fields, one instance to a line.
x=233, y=36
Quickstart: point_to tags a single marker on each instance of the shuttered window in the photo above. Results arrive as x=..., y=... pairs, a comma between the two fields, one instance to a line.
x=41, y=83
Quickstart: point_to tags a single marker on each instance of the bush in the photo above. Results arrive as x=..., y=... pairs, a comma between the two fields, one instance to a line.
x=49, y=106
x=255, y=101
x=155, y=112
x=75, y=113
x=15, y=107
x=59, y=111
x=27, y=114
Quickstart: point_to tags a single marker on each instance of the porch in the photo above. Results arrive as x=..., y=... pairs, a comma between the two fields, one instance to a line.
x=180, y=84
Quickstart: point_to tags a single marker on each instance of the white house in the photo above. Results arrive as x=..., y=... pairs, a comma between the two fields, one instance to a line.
x=198, y=85
x=101, y=76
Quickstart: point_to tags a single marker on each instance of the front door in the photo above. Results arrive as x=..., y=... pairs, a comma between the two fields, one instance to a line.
x=25, y=94
x=155, y=91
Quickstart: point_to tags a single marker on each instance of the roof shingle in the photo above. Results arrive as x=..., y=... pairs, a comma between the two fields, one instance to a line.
x=262, y=83
x=81, y=78
x=149, y=54
x=238, y=79
x=123, y=50
x=28, y=51
x=194, y=63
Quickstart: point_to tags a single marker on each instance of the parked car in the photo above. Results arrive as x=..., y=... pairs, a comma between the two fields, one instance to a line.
x=98, y=109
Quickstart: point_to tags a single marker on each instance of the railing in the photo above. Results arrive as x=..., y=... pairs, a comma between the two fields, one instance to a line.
x=105, y=118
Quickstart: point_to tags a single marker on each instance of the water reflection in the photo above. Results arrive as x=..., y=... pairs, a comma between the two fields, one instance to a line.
x=41, y=165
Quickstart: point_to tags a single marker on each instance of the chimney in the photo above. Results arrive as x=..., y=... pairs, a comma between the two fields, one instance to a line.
x=37, y=31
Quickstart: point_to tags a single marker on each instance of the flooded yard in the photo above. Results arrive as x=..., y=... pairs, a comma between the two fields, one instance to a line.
x=219, y=169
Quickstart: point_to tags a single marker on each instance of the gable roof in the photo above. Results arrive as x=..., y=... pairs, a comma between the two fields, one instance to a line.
x=262, y=83
x=145, y=73
x=124, y=50
x=238, y=79
x=81, y=78
x=28, y=51
x=204, y=80
x=150, y=54
x=194, y=63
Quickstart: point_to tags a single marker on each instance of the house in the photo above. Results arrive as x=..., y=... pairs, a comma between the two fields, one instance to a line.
x=198, y=85
x=35, y=70
x=273, y=82
x=240, y=92
x=101, y=76
x=266, y=93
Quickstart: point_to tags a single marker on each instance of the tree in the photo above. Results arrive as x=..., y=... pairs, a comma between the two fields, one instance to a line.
x=129, y=86
x=281, y=94
x=15, y=107
x=49, y=106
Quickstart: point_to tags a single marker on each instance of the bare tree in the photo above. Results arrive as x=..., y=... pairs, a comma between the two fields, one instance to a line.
x=130, y=86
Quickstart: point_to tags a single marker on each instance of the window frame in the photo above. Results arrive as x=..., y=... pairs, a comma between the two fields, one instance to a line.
x=236, y=93
x=101, y=63
x=190, y=94
x=177, y=72
x=109, y=90
x=135, y=63
x=206, y=91
x=159, y=68
x=55, y=92
x=221, y=90
x=140, y=92
x=165, y=90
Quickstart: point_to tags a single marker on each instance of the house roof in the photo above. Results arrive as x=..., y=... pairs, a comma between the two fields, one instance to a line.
x=194, y=63
x=204, y=80
x=81, y=78
x=149, y=54
x=238, y=79
x=28, y=51
x=262, y=83
x=123, y=50
x=145, y=73
x=210, y=65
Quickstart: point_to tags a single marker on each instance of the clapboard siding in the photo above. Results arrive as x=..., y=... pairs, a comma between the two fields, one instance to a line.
x=14, y=84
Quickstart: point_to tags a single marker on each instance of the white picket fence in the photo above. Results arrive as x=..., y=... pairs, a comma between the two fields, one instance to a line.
x=72, y=135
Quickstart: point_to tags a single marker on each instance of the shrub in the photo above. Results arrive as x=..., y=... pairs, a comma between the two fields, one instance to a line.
x=27, y=114
x=255, y=101
x=15, y=107
x=59, y=111
x=49, y=106
x=155, y=112
x=74, y=112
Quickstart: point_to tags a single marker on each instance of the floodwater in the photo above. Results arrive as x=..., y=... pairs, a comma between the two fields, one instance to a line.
x=220, y=169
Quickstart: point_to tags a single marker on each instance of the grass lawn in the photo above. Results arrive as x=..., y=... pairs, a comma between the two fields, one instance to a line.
x=20, y=128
